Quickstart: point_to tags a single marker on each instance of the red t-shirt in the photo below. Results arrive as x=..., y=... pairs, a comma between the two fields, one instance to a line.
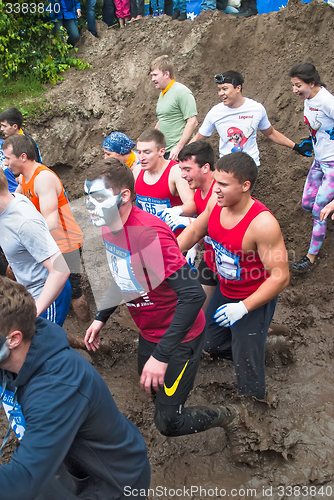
x=141, y=256
x=240, y=274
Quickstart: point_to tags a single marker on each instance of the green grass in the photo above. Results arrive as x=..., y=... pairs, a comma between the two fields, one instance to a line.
x=24, y=93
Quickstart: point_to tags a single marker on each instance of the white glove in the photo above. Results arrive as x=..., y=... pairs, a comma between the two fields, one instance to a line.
x=170, y=212
x=191, y=255
x=230, y=313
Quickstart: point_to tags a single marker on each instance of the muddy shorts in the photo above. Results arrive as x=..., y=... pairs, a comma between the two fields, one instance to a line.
x=181, y=370
x=244, y=343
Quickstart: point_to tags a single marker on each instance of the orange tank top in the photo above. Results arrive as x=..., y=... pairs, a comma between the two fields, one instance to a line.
x=67, y=235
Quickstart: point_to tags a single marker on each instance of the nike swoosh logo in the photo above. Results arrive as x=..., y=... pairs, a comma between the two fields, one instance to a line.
x=171, y=390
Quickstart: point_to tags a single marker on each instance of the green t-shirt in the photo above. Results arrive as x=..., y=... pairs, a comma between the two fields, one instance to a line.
x=173, y=109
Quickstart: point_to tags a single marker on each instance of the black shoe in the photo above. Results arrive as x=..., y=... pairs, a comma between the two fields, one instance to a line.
x=182, y=16
x=95, y=34
x=303, y=265
x=176, y=14
x=248, y=12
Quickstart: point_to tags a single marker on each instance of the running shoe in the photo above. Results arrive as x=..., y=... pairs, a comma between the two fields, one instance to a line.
x=303, y=265
x=155, y=13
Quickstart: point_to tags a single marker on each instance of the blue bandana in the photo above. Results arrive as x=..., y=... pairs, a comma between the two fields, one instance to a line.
x=119, y=143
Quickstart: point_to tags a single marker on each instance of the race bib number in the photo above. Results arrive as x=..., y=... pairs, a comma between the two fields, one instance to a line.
x=18, y=423
x=227, y=262
x=119, y=261
x=152, y=205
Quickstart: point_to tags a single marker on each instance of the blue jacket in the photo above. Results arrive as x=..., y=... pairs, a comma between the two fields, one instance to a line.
x=71, y=420
x=62, y=9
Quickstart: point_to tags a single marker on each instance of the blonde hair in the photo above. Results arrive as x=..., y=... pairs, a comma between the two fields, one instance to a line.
x=164, y=63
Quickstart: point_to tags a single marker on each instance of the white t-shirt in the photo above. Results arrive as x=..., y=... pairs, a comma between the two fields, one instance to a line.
x=237, y=127
x=319, y=117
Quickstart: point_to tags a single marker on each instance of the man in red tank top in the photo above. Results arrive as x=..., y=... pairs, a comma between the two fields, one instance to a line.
x=196, y=161
x=252, y=268
x=45, y=190
x=159, y=186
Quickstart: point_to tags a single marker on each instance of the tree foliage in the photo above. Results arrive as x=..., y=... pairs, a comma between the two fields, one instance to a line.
x=27, y=44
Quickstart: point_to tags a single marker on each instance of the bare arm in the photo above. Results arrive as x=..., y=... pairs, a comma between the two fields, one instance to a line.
x=196, y=230
x=19, y=185
x=48, y=188
x=197, y=137
x=187, y=133
x=327, y=210
x=273, y=254
x=58, y=274
x=277, y=137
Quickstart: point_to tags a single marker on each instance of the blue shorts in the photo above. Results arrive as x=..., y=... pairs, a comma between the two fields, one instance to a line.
x=58, y=310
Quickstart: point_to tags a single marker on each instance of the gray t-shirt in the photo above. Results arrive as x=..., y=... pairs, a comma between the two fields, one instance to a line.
x=26, y=242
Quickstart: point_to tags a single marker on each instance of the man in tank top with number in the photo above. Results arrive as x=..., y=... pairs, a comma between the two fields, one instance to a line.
x=159, y=186
x=252, y=268
x=196, y=161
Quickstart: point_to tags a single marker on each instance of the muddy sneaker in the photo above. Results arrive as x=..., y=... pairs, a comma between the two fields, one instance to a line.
x=182, y=16
x=175, y=14
x=303, y=265
x=242, y=436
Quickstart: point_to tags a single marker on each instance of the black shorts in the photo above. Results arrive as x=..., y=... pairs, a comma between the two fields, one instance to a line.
x=205, y=275
x=181, y=370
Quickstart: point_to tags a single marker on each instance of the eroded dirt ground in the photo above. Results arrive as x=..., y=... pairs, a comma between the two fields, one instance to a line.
x=297, y=422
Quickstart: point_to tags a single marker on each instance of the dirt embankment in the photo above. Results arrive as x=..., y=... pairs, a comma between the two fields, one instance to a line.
x=297, y=444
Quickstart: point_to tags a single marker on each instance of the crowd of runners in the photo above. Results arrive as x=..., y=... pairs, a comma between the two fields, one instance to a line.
x=157, y=201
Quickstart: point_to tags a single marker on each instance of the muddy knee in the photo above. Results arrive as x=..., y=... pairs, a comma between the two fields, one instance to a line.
x=168, y=419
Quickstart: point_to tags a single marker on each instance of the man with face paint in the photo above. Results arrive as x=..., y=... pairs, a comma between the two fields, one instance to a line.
x=164, y=298
x=33, y=254
x=45, y=190
x=74, y=442
x=237, y=120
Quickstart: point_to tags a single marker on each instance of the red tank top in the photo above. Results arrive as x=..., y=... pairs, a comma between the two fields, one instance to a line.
x=67, y=235
x=240, y=274
x=200, y=202
x=154, y=198
x=209, y=254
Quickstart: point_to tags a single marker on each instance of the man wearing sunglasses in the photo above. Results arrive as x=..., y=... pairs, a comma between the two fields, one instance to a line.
x=237, y=120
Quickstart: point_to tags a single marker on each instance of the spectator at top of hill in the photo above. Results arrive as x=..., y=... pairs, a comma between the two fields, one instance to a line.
x=118, y=145
x=65, y=13
x=11, y=123
x=91, y=17
x=176, y=107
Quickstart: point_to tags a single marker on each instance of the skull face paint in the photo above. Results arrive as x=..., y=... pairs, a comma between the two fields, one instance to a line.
x=101, y=202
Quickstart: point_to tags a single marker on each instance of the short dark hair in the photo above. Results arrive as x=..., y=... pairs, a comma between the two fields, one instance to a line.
x=20, y=144
x=154, y=135
x=307, y=73
x=116, y=174
x=241, y=165
x=12, y=116
x=18, y=309
x=232, y=77
x=203, y=152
